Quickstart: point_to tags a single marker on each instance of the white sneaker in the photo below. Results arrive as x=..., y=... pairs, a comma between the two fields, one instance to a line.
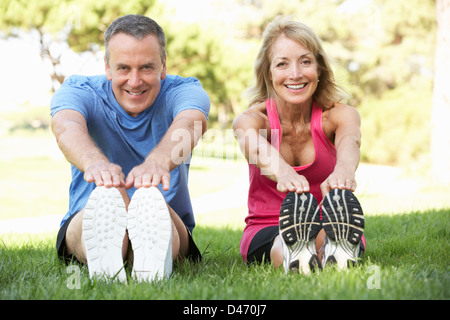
x=150, y=232
x=299, y=225
x=104, y=227
x=343, y=222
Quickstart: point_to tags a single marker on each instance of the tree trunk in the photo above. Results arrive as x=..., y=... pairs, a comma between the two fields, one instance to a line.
x=440, y=117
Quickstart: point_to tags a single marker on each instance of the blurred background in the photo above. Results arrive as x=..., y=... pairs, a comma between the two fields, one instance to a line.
x=392, y=57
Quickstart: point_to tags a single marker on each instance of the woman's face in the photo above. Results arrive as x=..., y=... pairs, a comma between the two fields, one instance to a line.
x=293, y=72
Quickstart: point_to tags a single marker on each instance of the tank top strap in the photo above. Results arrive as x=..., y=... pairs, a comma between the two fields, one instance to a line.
x=316, y=118
x=319, y=137
x=274, y=121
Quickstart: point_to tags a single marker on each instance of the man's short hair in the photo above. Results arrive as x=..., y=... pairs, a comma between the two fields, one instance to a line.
x=137, y=26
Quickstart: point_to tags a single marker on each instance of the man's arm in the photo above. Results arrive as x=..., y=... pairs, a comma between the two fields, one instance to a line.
x=72, y=136
x=175, y=147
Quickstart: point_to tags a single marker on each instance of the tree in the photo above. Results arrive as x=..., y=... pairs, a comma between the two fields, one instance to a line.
x=440, y=135
x=193, y=50
x=43, y=17
x=78, y=23
x=211, y=53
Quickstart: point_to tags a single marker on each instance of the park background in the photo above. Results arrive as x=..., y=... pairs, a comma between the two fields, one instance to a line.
x=391, y=56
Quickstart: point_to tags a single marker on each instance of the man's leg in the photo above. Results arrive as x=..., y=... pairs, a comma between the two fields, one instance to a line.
x=180, y=239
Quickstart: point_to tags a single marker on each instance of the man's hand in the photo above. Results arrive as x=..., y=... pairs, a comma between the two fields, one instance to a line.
x=105, y=173
x=150, y=173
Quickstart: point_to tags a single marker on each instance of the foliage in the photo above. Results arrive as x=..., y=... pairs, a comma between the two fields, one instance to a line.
x=378, y=46
x=396, y=127
x=222, y=68
x=375, y=41
x=79, y=23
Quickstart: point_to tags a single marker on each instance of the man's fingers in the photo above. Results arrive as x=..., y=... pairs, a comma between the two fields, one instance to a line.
x=118, y=180
x=165, y=183
x=98, y=179
x=106, y=174
x=89, y=177
x=156, y=180
x=129, y=182
x=106, y=178
x=147, y=180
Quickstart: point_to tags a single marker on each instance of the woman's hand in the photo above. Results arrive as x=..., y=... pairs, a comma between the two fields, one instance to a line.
x=290, y=181
x=341, y=178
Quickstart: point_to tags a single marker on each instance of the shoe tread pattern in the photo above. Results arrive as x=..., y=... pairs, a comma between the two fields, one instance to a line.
x=104, y=227
x=343, y=216
x=150, y=232
x=299, y=224
x=299, y=218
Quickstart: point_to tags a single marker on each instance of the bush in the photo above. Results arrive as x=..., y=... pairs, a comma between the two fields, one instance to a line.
x=396, y=128
x=28, y=118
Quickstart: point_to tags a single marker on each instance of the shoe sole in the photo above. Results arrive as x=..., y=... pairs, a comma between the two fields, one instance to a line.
x=104, y=228
x=150, y=232
x=299, y=225
x=343, y=221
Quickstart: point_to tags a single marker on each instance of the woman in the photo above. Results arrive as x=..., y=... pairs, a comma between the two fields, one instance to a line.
x=302, y=146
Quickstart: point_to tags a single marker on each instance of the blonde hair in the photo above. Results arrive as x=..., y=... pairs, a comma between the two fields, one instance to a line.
x=327, y=92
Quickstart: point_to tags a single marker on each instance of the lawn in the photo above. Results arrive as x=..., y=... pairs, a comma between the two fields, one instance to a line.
x=406, y=258
x=407, y=253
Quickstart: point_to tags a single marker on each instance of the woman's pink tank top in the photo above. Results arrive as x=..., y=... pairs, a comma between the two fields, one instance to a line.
x=264, y=200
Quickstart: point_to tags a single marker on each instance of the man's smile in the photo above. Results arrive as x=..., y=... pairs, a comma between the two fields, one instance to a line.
x=135, y=93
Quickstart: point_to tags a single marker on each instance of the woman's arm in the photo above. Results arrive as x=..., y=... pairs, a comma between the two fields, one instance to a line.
x=346, y=123
x=251, y=130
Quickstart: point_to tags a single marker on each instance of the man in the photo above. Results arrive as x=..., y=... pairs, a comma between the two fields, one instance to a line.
x=125, y=134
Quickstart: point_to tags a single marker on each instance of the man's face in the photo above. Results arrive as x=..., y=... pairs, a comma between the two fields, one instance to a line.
x=135, y=70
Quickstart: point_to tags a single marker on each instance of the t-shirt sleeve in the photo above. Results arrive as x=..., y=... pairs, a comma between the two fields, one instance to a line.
x=189, y=95
x=73, y=95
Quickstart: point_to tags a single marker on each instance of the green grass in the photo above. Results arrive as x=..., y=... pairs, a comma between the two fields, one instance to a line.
x=407, y=252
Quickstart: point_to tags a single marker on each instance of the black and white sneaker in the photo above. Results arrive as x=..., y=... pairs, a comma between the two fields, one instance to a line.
x=299, y=225
x=150, y=232
x=343, y=221
x=104, y=227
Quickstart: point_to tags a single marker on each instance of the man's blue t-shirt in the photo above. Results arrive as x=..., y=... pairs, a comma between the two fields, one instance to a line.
x=127, y=140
